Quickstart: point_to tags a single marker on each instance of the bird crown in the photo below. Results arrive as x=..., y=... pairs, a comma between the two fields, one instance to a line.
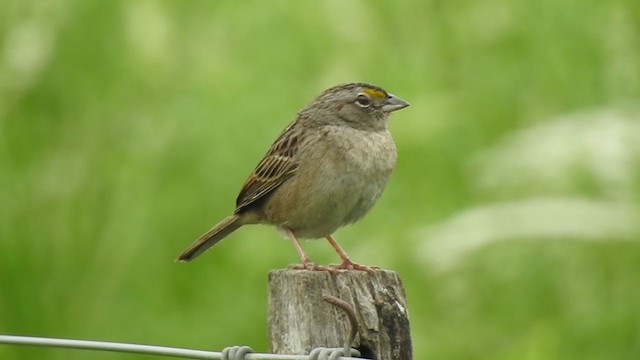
x=375, y=93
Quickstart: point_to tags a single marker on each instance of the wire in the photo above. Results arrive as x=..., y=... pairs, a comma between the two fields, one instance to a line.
x=140, y=349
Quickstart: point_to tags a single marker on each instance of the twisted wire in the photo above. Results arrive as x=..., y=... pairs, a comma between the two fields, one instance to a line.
x=231, y=353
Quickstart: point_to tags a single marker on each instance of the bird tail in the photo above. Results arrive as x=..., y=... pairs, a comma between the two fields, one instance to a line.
x=211, y=237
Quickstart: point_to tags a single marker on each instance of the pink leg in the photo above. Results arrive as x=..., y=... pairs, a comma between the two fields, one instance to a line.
x=307, y=264
x=346, y=261
x=296, y=243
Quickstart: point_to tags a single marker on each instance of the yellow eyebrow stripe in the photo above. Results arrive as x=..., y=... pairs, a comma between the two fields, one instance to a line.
x=375, y=93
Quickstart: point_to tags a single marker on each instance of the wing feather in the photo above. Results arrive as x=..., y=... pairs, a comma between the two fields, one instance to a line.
x=276, y=167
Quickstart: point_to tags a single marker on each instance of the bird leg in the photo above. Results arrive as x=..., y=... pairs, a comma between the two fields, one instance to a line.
x=303, y=257
x=306, y=264
x=346, y=261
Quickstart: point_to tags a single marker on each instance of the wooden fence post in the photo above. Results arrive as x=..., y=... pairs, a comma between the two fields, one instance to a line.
x=299, y=319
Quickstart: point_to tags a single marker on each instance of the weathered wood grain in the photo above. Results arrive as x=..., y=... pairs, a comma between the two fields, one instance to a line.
x=299, y=319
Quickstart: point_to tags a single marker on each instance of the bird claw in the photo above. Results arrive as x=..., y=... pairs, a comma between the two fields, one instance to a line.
x=349, y=265
x=308, y=265
x=334, y=268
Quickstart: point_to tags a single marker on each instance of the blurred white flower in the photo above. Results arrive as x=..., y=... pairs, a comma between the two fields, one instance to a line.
x=27, y=49
x=530, y=219
x=542, y=171
x=602, y=145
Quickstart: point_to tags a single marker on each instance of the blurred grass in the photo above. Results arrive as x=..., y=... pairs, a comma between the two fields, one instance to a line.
x=127, y=128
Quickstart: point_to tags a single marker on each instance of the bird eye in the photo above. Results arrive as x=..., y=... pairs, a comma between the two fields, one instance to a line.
x=363, y=101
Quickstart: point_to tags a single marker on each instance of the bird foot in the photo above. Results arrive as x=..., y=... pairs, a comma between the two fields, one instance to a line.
x=349, y=265
x=308, y=265
x=334, y=268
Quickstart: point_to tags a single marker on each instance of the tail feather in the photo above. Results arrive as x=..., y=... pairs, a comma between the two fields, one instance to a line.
x=211, y=237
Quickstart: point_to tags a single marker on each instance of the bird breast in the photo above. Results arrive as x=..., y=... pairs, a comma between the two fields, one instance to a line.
x=369, y=158
x=341, y=174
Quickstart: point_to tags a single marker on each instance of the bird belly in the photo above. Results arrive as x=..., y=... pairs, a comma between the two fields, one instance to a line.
x=342, y=185
x=325, y=210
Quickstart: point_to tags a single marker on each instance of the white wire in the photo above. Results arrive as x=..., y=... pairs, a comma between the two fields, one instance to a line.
x=140, y=349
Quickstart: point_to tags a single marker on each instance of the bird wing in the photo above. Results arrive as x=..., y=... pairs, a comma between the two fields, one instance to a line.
x=276, y=167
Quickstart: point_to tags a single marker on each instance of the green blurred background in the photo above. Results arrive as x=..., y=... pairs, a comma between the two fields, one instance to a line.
x=128, y=127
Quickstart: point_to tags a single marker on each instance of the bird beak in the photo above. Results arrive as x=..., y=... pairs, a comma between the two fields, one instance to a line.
x=394, y=103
